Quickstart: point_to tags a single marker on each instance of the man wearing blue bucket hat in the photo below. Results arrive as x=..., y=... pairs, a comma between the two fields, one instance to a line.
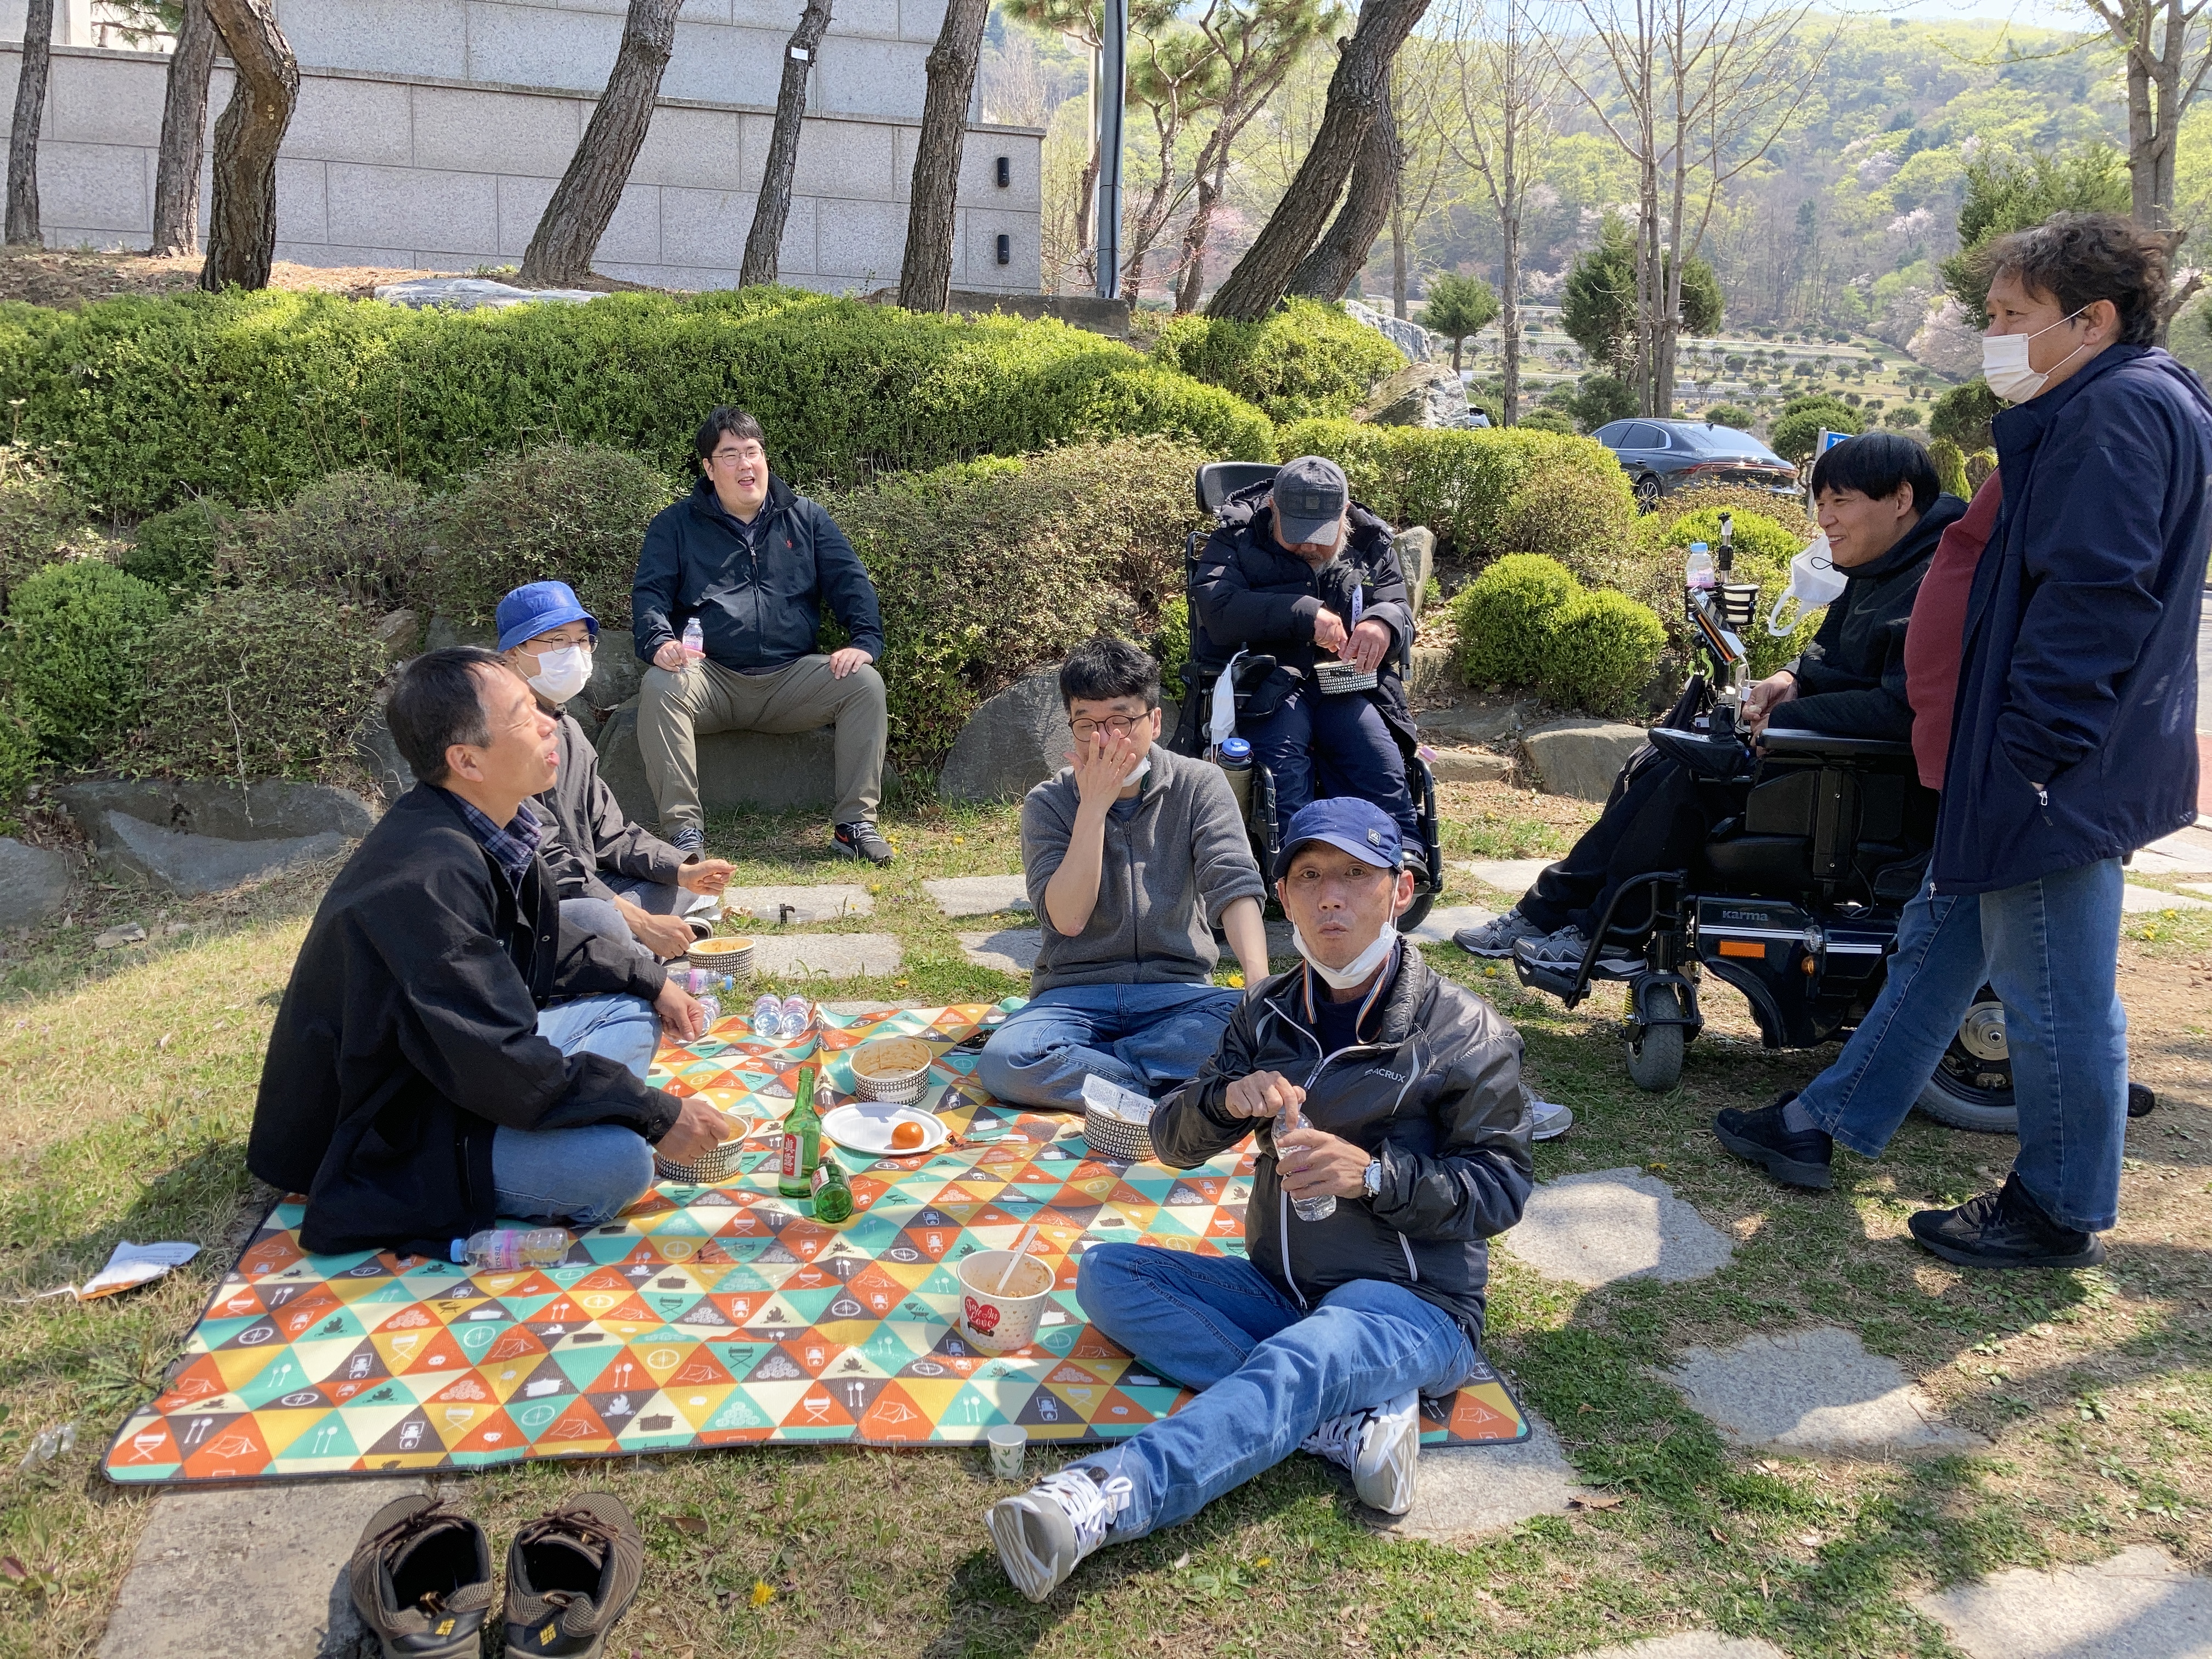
x=616, y=877
x=1394, y=1140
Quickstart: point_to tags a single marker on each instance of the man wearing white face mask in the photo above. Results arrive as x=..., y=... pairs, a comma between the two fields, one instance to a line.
x=616, y=877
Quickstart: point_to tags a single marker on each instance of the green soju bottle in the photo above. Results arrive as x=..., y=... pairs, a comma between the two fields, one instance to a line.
x=833, y=1199
x=802, y=1141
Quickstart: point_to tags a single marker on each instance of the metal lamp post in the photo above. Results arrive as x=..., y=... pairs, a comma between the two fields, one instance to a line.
x=1112, y=80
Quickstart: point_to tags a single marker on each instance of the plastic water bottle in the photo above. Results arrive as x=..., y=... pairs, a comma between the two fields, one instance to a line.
x=711, y=1005
x=502, y=1249
x=795, y=1017
x=768, y=1016
x=1698, y=572
x=694, y=640
x=697, y=981
x=1307, y=1209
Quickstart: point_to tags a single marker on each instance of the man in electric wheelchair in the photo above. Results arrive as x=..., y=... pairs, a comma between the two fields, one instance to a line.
x=1882, y=511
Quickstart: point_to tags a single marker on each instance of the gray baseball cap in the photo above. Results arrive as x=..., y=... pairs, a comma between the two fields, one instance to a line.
x=1310, y=496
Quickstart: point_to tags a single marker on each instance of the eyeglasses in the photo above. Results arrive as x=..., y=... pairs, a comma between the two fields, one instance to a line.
x=727, y=455
x=1119, y=724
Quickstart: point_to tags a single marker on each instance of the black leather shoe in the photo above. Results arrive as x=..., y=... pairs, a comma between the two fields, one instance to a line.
x=1795, y=1157
x=2005, y=1228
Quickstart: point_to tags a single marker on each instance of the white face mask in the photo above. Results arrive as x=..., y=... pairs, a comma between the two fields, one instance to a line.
x=1814, y=581
x=2005, y=362
x=1143, y=766
x=562, y=673
x=1354, y=972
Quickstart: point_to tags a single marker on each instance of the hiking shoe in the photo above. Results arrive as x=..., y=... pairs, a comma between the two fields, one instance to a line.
x=1382, y=1447
x=861, y=839
x=570, y=1574
x=687, y=839
x=2004, y=1228
x=1498, y=936
x=1045, y=1533
x=1562, y=952
x=421, y=1579
x=1796, y=1158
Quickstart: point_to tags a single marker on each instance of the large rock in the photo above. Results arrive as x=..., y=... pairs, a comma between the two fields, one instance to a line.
x=1421, y=394
x=474, y=293
x=379, y=754
x=1579, y=757
x=33, y=882
x=735, y=768
x=1018, y=739
x=1417, y=342
x=203, y=836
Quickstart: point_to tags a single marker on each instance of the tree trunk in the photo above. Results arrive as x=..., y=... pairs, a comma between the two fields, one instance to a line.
x=1195, y=236
x=184, y=132
x=1508, y=316
x=242, y=218
x=568, y=234
x=1398, y=263
x=1329, y=270
x=926, y=273
x=24, y=134
x=1356, y=92
x=764, y=242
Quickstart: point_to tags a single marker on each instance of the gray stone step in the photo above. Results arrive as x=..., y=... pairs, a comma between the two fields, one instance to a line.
x=1514, y=876
x=1812, y=1390
x=1579, y=757
x=978, y=896
x=1009, y=950
x=2141, y=1604
x=1470, y=766
x=1607, y=1224
x=1689, y=1645
x=785, y=906
x=825, y=956
x=2136, y=900
x=1466, y=1491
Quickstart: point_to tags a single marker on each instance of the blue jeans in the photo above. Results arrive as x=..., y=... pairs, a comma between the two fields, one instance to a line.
x=588, y=1175
x=663, y=899
x=2050, y=949
x=1148, y=1038
x=598, y=915
x=1330, y=746
x=1267, y=1373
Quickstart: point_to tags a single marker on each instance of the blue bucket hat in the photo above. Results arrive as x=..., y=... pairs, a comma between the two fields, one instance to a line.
x=538, y=608
x=1348, y=824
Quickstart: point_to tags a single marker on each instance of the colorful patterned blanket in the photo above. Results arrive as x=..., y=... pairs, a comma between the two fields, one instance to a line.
x=709, y=1315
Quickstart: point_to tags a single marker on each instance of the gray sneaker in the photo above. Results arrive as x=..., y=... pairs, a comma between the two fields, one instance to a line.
x=1549, y=1120
x=1044, y=1534
x=1498, y=936
x=1382, y=1447
x=1564, y=949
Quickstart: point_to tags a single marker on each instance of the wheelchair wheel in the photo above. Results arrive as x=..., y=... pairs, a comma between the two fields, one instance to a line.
x=1418, y=912
x=1655, y=1053
x=1971, y=1088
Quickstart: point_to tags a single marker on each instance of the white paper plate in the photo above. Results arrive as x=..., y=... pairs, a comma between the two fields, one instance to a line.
x=866, y=1126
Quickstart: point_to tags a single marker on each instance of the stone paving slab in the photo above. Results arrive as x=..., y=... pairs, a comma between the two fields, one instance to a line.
x=2185, y=852
x=1606, y=1225
x=801, y=905
x=1514, y=876
x=2196, y=887
x=1690, y=1645
x=1812, y=1390
x=2139, y=1605
x=2149, y=901
x=1469, y=766
x=249, y=1573
x=978, y=896
x=1440, y=923
x=1011, y=950
x=828, y=955
x=1467, y=1491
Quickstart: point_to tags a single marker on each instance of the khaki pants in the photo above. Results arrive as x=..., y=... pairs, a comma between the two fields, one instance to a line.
x=674, y=708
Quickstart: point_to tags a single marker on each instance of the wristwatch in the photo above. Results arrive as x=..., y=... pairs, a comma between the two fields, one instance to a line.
x=1371, y=1178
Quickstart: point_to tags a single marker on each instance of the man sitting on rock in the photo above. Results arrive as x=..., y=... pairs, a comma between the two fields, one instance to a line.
x=753, y=563
x=1299, y=571
x=1132, y=854
x=615, y=876
x=1387, y=1103
x=1882, y=511
x=449, y=1048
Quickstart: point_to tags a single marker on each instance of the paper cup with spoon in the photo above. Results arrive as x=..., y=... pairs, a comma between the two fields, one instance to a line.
x=1003, y=1295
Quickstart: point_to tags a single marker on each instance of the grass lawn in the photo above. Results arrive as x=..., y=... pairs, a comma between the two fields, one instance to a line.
x=126, y=1086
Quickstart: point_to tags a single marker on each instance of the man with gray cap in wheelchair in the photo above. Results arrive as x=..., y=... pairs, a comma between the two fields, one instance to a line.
x=1299, y=571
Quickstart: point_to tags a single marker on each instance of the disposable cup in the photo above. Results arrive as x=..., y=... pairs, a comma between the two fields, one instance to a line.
x=996, y=1323
x=1008, y=1442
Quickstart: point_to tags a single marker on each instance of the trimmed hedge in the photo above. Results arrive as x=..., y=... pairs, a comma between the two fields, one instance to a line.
x=1504, y=615
x=1304, y=360
x=249, y=396
x=360, y=534
x=1600, y=652
x=76, y=641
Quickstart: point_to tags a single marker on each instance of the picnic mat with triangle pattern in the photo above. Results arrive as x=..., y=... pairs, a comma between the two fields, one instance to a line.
x=711, y=1315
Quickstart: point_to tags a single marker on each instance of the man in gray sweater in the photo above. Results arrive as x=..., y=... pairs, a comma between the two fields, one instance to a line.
x=1131, y=854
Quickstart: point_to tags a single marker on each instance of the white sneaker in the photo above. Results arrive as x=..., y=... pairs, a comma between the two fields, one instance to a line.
x=1382, y=1447
x=1550, y=1120
x=1044, y=1534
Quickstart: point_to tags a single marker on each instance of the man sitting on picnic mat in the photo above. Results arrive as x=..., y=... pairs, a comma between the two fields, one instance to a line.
x=1377, y=1086
x=450, y=1048
x=1130, y=854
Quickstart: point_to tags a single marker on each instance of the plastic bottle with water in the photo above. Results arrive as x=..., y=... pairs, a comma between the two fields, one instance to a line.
x=1698, y=572
x=502, y=1249
x=1307, y=1209
x=768, y=1016
x=695, y=642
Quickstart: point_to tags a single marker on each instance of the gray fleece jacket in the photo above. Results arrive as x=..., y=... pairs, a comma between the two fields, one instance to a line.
x=1169, y=869
x=588, y=834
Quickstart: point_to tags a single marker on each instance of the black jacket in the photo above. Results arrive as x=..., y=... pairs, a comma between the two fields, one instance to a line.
x=1851, y=680
x=408, y=1035
x=587, y=834
x=1434, y=1091
x=1249, y=592
x=759, y=602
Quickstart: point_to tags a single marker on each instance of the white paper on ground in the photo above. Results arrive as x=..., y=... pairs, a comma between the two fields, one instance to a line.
x=135, y=1264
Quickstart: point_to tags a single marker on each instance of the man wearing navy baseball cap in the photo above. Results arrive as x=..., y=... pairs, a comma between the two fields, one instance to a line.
x=617, y=878
x=1394, y=1140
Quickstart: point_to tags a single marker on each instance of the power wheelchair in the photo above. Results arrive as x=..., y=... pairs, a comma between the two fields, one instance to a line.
x=1215, y=482
x=1793, y=900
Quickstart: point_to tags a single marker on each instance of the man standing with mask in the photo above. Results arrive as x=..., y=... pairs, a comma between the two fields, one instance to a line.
x=2073, y=743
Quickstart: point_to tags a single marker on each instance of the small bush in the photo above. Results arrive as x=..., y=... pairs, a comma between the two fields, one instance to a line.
x=360, y=536
x=1756, y=533
x=1548, y=419
x=1979, y=465
x=1171, y=645
x=1735, y=415
x=1504, y=617
x=575, y=512
x=1580, y=520
x=1764, y=548
x=257, y=683
x=1799, y=426
x=39, y=512
x=1304, y=360
x=1950, y=465
x=1963, y=414
x=177, y=551
x=1601, y=652
x=76, y=650
x=1787, y=511
x=18, y=751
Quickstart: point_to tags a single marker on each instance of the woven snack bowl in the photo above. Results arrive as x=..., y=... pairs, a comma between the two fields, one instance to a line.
x=717, y=1166
x=724, y=954
x=1333, y=679
x=1116, y=1136
x=891, y=1070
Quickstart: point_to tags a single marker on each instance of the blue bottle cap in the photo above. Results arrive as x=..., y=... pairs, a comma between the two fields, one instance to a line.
x=1699, y=547
x=1236, y=748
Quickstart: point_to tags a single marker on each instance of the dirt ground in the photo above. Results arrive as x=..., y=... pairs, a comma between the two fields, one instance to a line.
x=69, y=278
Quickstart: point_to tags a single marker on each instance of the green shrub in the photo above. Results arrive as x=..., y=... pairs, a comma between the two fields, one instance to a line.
x=1798, y=427
x=39, y=513
x=257, y=683
x=1788, y=511
x=1504, y=615
x=1756, y=532
x=249, y=396
x=1764, y=548
x=1171, y=645
x=1548, y=419
x=989, y=570
x=1599, y=652
x=1734, y=414
x=76, y=650
x=1579, y=519
x=1304, y=360
x=361, y=536
x=1950, y=464
x=19, y=751
x=1963, y=414
x=575, y=512
x=1979, y=465
x=177, y=551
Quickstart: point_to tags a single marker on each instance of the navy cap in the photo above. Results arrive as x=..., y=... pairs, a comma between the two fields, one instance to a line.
x=538, y=608
x=1348, y=824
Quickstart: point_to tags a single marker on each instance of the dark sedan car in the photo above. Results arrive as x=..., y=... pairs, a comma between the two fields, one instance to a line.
x=1661, y=456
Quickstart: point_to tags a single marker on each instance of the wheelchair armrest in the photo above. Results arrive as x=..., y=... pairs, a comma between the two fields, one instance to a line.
x=1818, y=745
